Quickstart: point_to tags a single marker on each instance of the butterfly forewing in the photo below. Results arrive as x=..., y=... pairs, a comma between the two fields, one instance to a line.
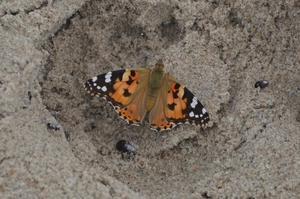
x=104, y=85
x=182, y=105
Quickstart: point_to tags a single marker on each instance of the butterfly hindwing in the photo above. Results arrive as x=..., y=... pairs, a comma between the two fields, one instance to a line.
x=121, y=89
x=157, y=116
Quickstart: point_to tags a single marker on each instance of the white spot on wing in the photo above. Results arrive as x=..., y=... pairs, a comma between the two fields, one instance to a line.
x=203, y=110
x=94, y=79
x=192, y=114
x=104, y=88
x=108, y=77
x=194, y=102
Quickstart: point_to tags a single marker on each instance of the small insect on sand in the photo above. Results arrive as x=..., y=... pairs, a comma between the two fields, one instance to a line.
x=55, y=127
x=261, y=84
x=125, y=147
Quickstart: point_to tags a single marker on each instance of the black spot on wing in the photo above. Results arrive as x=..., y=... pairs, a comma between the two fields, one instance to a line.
x=187, y=93
x=177, y=86
x=172, y=106
x=129, y=82
x=175, y=94
x=132, y=73
x=126, y=93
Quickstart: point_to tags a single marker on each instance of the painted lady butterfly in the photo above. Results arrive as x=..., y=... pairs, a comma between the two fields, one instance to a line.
x=134, y=92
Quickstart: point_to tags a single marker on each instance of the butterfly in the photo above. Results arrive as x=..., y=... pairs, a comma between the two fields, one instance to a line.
x=135, y=92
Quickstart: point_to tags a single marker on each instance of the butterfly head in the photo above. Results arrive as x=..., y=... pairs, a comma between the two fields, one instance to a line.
x=159, y=65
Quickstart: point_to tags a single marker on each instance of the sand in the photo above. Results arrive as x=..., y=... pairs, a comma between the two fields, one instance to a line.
x=57, y=141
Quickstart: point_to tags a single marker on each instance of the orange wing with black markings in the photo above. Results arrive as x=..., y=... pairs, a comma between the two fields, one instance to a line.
x=134, y=92
x=176, y=105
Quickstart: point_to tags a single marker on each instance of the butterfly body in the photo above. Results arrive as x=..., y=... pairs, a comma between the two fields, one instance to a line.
x=154, y=85
x=135, y=92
